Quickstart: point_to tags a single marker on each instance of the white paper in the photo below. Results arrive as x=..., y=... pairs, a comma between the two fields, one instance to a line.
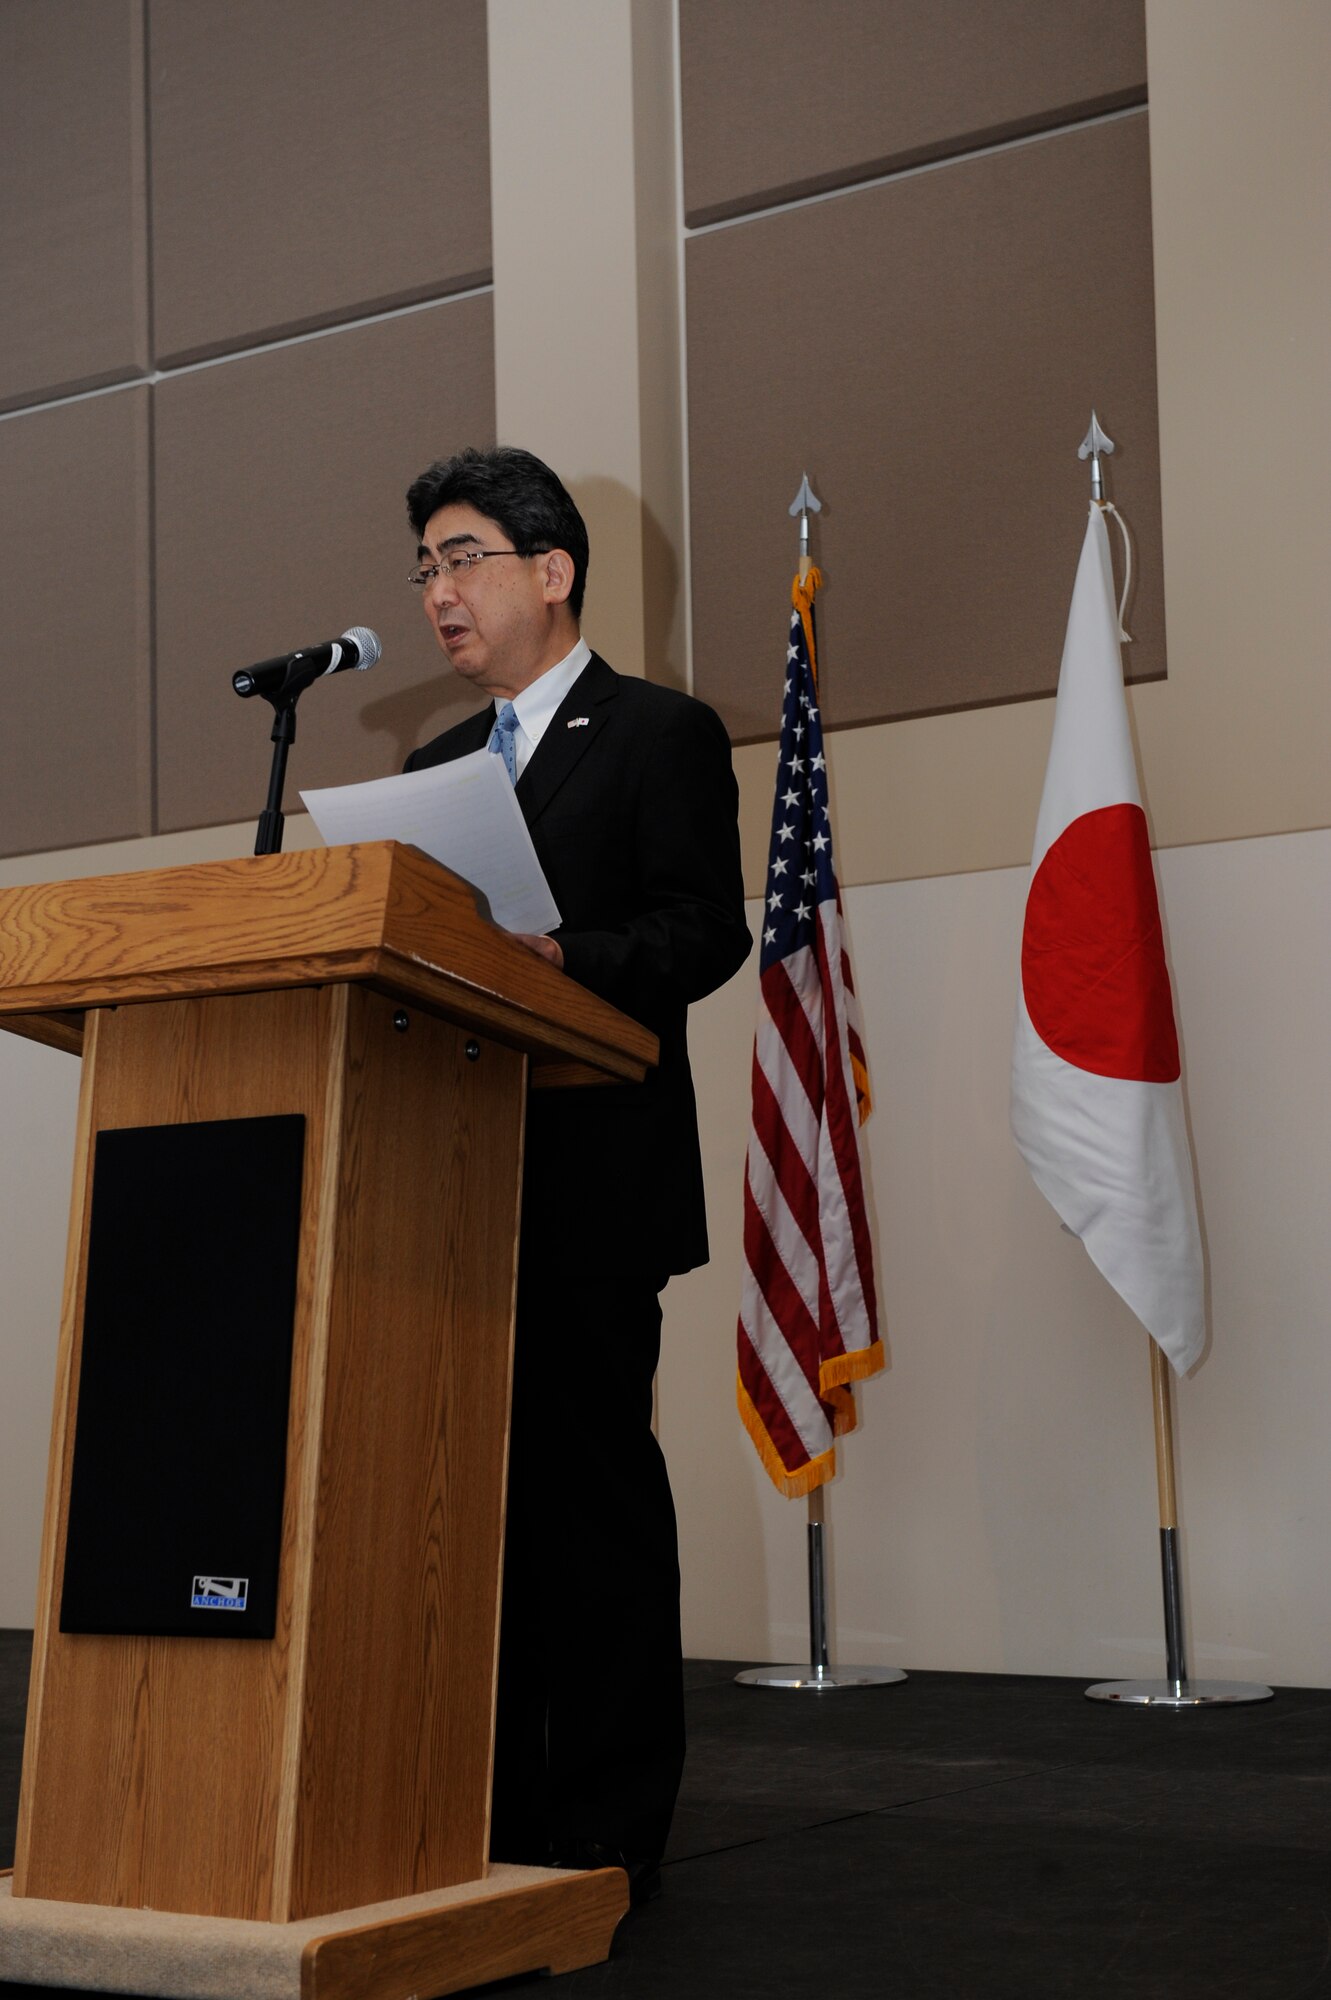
x=464, y=814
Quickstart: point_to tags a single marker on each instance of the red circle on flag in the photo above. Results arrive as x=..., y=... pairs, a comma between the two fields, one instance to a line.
x=1093, y=969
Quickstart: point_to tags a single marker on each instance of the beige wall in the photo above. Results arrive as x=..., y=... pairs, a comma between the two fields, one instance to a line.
x=583, y=178
x=997, y=1509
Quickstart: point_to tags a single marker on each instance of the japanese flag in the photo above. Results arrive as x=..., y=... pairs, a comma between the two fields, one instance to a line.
x=1097, y=1098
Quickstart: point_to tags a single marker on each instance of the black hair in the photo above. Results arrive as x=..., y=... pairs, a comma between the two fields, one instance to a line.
x=518, y=492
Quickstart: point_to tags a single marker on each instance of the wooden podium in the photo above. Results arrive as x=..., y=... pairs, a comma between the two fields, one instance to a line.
x=329, y=1784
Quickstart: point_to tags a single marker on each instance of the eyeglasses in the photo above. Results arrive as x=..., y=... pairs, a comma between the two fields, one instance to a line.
x=457, y=565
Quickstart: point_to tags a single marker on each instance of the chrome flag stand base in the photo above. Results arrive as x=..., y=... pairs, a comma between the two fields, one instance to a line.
x=817, y=1677
x=1175, y=1690
x=1179, y=1694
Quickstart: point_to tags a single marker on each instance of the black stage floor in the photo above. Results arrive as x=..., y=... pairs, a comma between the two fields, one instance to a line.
x=961, y=1837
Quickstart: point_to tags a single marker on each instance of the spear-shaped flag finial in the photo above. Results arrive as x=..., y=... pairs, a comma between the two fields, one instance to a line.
x=1092, y=445
x=806, y=502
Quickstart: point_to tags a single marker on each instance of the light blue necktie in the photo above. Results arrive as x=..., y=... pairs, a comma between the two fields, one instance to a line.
x=501, y=742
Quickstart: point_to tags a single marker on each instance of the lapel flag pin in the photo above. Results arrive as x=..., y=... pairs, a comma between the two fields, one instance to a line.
x=578, y=721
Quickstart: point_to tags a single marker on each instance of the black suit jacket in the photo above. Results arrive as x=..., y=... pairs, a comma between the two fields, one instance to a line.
x=633, y=816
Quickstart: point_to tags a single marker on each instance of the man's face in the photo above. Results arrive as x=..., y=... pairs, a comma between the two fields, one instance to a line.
x=493, y=621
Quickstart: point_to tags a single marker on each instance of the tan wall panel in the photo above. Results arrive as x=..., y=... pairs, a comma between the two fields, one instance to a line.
x=74, y=750
x=1243, y=272
x=930, y=350
x=1233, y=743
x=782, y=99
x=279, y=492
x=312, y=161
x=73, y=302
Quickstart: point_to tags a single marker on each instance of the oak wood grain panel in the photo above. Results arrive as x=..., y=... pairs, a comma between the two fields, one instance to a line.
x=418, y=1945
x=781, y=100
x=127, y=989
x=304, y=1445
x=398, y=979
x=152, y=1772
x=552, y=1926
x=201, y=917
x=347, y=1760
x=65, y=1032
x=560, y=1013
x=50, y=1560
x=57, y=1031
x=564, y=1075
x=380, y=912
x=521, y=1026
x=395, y=1768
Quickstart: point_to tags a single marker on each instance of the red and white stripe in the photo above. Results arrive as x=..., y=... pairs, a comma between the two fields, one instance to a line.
x=808, y=1313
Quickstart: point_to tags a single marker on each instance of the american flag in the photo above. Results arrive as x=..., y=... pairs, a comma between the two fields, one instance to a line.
x=808, y=1323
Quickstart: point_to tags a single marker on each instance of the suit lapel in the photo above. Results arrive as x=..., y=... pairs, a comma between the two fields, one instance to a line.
x=563, y=747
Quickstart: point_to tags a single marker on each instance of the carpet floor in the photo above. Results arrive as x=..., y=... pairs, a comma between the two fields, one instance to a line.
x=960, y=1837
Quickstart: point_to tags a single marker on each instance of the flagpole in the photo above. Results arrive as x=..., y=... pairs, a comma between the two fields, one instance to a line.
x=1176, y=1670
x=1176, y=1690
x=819, y=1676
x=818, y=1655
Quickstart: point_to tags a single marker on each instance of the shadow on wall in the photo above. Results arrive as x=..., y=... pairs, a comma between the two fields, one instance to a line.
x=628, y=542
x=412, y=715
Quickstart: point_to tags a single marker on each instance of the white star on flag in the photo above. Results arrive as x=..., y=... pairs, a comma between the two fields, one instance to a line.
x=808, y=1324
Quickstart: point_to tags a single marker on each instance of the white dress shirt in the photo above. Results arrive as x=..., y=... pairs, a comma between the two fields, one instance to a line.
x=535, y=706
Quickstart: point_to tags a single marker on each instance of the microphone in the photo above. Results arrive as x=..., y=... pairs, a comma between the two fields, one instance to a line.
x=291, y=673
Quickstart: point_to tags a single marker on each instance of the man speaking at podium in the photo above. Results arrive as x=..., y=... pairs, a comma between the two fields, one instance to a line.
x=628, y=793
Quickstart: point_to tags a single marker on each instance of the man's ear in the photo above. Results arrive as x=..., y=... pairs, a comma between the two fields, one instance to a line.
x=556, y=575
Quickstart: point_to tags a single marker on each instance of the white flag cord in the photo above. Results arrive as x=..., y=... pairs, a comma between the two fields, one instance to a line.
x=1108, y=507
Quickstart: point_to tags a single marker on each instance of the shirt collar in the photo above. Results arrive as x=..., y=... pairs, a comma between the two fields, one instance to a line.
x=537, y=703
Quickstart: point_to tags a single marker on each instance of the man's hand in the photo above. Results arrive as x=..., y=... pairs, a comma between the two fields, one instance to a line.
x=544, y=947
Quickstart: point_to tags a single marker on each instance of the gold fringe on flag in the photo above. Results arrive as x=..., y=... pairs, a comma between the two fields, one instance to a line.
x=843, y=1369
x=802, y=593
x=863, y=1094
x=838, y=1374
x=793, y=1485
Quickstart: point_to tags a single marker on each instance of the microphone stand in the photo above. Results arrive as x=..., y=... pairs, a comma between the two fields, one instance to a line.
x=268, y=839
x=282, y=682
